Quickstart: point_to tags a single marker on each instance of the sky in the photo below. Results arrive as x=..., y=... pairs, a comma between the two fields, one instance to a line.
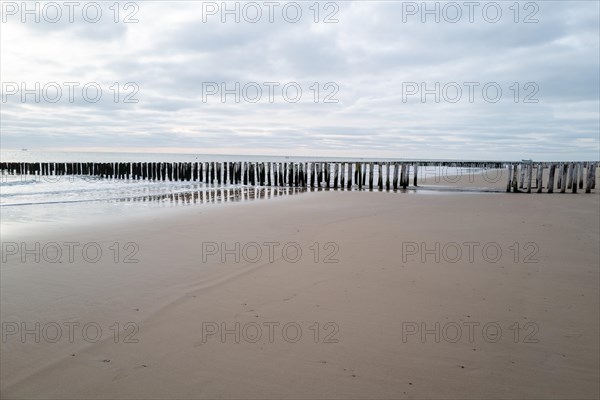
x=474, y=80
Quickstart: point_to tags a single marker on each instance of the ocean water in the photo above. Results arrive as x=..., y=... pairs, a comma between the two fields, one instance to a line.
x=29, y=200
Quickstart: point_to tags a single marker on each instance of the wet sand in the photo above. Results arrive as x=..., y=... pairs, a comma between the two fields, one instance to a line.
x=408, y=296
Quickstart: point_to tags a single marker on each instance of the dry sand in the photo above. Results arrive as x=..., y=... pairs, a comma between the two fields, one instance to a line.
x=362, y=304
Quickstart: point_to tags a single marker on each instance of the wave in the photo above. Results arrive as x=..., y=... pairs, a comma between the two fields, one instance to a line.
x=19, y=183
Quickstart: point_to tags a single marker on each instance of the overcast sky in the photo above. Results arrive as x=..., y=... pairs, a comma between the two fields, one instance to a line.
x=365, y=64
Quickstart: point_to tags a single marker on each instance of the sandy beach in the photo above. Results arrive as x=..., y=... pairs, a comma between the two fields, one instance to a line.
x=318, y=295
x=300, y=200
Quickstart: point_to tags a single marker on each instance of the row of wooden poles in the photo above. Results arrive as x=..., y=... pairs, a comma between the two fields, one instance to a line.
x=336, y=175
x=569, y=176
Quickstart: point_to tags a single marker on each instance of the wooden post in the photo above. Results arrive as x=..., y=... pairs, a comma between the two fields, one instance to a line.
x=551, y=178
x=575, y=172
x=335, y=176
x=387, y=173
x=343, y=175
x=580, y=175
x=540, y=172
x=588, y=180
x=403, y=176
x=379, y=176
x=515, y=178
x=370, y=176
x=349, y=183
x=305, y=175
x=359, y=173
x=416, y=172
x=364, y=174
x=523, y=166
x=508, y=182
x=529, y=176
x=281, y=174
x=563, y=186
x=570, y=176
x=559, y=177
x=304, y=172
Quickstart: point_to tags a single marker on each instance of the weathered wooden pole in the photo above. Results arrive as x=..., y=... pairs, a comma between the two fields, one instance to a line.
x=395, y=181
x=521, y=184
x=538, y=179
x=563, y=186
x=575, y=172
x=403, y=176
x=364, y=174
x=416, y=172
x=515, y=184
x=305, y=175
x=570, y=176
x=559, y=175
x=342, y=175
x=359, y=173
x=335, y=175
x=387, y=173
x=588, y=180
x=349, y=182
x=551, y=178
x=580, y=175
x=281, y=173
x=529, y=176
x=509, y=173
